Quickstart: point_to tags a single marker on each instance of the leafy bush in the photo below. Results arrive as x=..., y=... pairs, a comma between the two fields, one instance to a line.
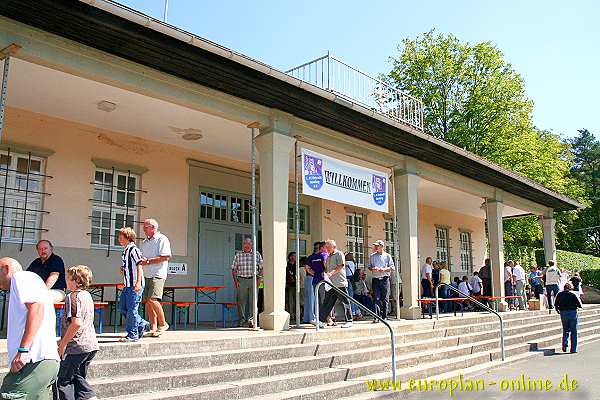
x=571, y=261
x=591, y=277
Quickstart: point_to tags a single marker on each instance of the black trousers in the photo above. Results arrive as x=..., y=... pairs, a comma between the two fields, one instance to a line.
x=329, y=302
x=71, y=381
x=381, y=294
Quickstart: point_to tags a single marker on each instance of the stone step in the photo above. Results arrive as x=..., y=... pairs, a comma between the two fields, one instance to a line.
x=356, y=366
x=465, y=373
x=118, y=367
x=356, y=389
x=332, y=388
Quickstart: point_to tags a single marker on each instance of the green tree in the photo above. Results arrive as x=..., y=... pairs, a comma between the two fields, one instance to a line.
x=584, y=235
x=474, y=99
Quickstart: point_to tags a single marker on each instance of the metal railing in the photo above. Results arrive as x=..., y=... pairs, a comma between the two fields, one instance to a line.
x=331, y=73
x=474, y=300
x=363, y=308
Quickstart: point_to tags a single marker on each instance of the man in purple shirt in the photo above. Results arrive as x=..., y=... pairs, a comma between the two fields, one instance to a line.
x=315, y=266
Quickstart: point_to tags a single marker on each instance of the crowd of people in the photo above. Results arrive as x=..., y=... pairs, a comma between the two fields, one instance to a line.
x=340, y=270
x=38, y=365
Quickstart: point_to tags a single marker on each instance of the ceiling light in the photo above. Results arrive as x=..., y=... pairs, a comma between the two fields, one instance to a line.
x=106, y=106
x=191, y=136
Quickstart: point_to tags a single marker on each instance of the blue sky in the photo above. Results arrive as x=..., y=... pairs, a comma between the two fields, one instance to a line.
x=555, y=45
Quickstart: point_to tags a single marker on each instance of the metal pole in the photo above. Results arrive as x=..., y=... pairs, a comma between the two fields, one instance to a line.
x=3, y=93
x=437, y=303
x=297, y=232
x=396, y=248
x=254, y=258
x=166, y=10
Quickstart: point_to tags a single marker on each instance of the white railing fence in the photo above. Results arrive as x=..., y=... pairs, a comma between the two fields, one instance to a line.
x=331, y=73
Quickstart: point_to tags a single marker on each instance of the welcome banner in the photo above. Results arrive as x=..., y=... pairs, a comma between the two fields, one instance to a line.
x=328, y=178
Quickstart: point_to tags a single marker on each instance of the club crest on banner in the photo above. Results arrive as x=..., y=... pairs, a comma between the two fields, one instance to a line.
x=313, y=172
x=379, y=191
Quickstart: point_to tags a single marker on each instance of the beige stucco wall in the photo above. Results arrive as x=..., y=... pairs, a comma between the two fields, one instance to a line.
x=173, y=190
x=334, y=217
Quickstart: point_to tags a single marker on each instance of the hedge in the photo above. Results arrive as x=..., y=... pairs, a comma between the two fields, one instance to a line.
x=591, y=277
x=569, y=260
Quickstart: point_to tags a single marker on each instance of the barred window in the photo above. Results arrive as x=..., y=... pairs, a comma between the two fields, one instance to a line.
x=115, y=204
x=390, y=244
x=22, y=182
x=442, y=244
x=302, y=220
x=466, y=253
x=355, y=232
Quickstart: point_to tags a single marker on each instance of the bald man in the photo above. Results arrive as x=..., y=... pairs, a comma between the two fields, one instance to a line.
x=31, y=337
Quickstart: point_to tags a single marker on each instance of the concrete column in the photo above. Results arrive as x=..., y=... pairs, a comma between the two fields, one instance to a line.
x=405, y=186
x=496, y=242
x=274, y=165
x=549, y=238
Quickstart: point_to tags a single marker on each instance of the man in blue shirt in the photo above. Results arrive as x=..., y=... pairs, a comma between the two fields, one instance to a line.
x=51, y=268
x=535, y=281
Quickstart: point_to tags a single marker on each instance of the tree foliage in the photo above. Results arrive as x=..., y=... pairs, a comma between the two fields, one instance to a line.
x=474, y=99
x=584, y=235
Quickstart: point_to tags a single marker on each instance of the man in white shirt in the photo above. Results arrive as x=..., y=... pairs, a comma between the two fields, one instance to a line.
x=156, y=250
x=381, y=266
x=426, y=282
x=476, y=284
x=519, y=279
x=31, y=338
x=552, y=280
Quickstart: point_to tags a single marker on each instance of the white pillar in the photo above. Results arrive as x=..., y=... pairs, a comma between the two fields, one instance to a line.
x=496, y=241
x=548, y=223
x=406, y=185
x=274, y=165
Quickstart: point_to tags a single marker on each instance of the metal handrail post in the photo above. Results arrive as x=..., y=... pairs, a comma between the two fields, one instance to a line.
x=480, y=304
x=363, y=308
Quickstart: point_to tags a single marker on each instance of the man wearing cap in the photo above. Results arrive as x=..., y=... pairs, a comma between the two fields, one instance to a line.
x=381, y=266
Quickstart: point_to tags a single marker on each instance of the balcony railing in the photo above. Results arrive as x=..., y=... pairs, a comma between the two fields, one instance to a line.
x=344, y=80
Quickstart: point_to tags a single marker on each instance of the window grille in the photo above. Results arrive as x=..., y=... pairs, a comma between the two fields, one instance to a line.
x=115, y=204
x=21, y=197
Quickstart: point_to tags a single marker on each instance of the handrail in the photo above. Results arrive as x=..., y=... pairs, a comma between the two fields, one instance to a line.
x=363, y=308
x=474, y=300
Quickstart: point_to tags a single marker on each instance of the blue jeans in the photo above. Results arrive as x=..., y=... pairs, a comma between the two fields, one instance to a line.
x=444, y=293
x=130, y=302
x=309, y=300
x=569, y=323
x=353, y=307
x=550, y=290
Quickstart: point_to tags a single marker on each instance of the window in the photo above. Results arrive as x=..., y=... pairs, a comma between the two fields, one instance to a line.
x=226, y=208
x=466, y=255
x=292, y=246
x=22, y=181
x=303, y=220
x=441, y=244
x=115, y=205
x=388, y=230
x=355, y=233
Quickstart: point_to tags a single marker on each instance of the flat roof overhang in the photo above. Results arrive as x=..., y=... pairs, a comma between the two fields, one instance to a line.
x=251, y=80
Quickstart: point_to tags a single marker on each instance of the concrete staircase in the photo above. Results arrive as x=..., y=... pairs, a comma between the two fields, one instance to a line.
x=331, y=364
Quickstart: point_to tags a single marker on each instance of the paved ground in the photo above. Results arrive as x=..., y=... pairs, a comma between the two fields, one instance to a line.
x=582, y=367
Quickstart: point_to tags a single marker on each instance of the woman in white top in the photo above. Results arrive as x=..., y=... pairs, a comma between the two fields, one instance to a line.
x=564, y=278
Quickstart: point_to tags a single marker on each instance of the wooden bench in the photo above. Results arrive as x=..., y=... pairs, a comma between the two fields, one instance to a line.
x=181, y=308
x=228, y=311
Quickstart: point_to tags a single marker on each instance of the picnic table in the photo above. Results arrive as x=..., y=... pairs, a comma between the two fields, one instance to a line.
x=96, y=290
x=208, y=291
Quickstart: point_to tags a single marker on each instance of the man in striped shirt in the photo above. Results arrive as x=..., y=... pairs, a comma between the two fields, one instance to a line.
x=131, y=295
